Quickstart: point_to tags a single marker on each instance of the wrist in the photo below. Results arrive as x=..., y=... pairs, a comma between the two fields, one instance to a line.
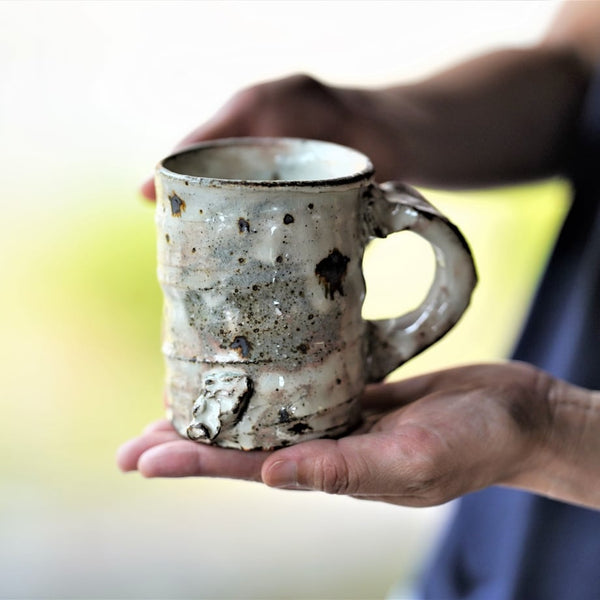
x=565, y=461
x=575, y=444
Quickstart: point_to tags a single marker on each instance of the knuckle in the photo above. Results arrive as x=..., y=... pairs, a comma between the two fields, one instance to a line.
x=293, y=86
x=250, y=97
x=303, y=82
x=332, y=476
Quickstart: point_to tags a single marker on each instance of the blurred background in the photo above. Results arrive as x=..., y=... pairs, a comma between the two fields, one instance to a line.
x=92, y=95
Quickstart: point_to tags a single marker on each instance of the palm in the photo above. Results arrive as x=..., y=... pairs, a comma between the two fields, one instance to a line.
x=424, y=440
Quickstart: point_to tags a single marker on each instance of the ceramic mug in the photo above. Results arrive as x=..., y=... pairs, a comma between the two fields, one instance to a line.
x=260, y=245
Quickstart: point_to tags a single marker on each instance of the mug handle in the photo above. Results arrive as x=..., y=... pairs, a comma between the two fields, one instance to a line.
x=393, y=207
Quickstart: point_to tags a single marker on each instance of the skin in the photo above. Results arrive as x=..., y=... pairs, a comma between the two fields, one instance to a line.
x=429, y=439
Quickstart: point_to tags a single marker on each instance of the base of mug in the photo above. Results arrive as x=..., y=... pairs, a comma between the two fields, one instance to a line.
x=330, y=423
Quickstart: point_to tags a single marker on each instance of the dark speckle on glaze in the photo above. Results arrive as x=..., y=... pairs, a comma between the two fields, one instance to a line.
x=242, y=345
x=299, y=428
x=331, y=272
x=284, y=415
x=177, y=205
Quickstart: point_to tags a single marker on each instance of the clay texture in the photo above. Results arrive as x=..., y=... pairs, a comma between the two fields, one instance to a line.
x=260, y=245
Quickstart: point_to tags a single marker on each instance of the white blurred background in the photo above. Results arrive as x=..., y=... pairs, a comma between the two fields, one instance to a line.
x=92, y=95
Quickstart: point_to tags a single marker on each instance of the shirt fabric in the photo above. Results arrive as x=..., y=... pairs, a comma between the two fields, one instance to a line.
x=510, y=545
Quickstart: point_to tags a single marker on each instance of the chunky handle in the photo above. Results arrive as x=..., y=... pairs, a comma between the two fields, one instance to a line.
x=397, y=207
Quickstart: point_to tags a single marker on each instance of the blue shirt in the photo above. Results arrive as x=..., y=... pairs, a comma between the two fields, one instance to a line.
x=505, y=544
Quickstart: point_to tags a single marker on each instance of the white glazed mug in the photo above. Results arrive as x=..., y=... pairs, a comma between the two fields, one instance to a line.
x=260, y=246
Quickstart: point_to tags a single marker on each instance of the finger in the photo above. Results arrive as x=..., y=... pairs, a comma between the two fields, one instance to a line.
x=129, y=453
x=214, y=129
x=228, y=121
x=148, y=190
x=411, y=467
x=205, y=132
x=324, y=465
x=182, y=458
x=379, y=463
x=160, y=425
x=223, y=124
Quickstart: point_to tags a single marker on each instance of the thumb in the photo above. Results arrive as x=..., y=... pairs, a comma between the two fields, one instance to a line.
x=316, y=465
x=362, y=465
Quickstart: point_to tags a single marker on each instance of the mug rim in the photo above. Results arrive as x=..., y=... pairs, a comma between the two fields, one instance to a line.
x=363, y=174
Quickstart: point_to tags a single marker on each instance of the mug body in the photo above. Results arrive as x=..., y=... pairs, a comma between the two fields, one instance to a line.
x=260, y=246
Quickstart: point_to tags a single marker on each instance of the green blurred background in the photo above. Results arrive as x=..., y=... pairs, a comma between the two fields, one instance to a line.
x=92, y=95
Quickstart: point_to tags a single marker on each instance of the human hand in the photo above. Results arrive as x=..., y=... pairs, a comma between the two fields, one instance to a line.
x=425, y=441
x=300, y=106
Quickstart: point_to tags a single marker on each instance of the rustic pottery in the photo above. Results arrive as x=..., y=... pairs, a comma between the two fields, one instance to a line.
x=260, y=248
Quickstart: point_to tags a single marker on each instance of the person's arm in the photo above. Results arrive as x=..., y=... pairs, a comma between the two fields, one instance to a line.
x=501, y=117
x=508, y=115
x=576, y=28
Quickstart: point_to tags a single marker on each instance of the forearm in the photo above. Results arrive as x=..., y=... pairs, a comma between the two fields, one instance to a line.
x=505, y=116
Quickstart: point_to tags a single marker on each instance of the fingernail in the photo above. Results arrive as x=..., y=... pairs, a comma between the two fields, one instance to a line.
x=282, y=474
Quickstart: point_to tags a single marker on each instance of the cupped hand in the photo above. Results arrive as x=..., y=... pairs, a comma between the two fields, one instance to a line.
x=425, y=441
x=301, y=106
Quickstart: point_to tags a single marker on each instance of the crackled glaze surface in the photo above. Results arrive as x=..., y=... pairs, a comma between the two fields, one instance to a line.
x=260, y=246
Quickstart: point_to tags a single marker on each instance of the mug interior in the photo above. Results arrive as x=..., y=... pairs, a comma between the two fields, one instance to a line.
x=269, y=159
